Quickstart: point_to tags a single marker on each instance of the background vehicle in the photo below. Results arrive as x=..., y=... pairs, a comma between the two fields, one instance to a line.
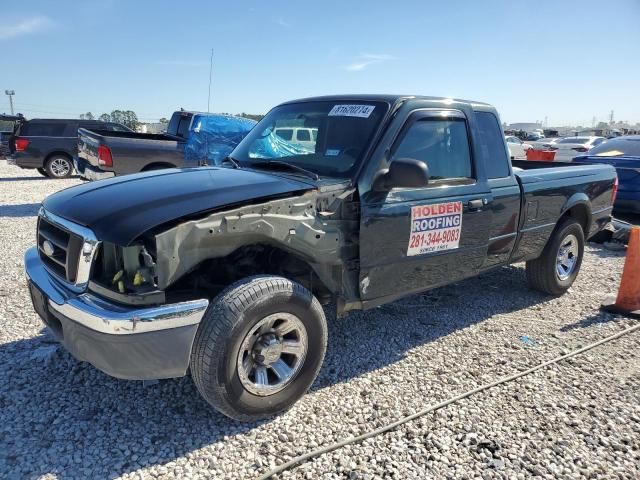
x=192, y=139
x=298, y=135
x=534, y=136
x=544, y=143
x=49, y=145
x=517, y=148
x=223, y=270
x=4, y=144
x=568, y=147
x=623, y=153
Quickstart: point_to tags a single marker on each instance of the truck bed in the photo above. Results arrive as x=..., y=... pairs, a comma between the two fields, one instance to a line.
x=131, y=152
x=547, y=190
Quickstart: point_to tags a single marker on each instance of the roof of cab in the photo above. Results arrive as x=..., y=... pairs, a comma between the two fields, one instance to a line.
x=388, y=98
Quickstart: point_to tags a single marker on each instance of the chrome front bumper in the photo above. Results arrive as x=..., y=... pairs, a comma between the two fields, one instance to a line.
x=133, y=343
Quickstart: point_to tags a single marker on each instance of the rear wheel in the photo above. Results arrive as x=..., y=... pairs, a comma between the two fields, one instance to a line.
x=58, y=166
x=557, y=267
x=259, y=347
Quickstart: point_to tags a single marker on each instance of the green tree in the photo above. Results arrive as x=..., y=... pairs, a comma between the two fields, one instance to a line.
x=164, y=120
x=251, y=116
x=105, y=117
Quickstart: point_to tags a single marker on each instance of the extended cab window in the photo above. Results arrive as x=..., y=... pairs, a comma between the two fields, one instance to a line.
x=440, y=143
x=494, y=155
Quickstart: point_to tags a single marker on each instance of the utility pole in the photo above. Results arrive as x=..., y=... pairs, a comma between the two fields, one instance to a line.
x=10, y=94
x=210, y=73
x=611, y=118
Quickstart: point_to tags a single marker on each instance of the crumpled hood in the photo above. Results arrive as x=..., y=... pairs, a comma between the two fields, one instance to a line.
x=120, y=209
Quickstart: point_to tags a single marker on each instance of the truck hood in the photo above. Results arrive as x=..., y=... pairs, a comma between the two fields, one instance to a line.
x=121, y=209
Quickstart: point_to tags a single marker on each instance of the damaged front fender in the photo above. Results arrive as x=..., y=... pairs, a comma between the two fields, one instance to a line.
x=314, y=226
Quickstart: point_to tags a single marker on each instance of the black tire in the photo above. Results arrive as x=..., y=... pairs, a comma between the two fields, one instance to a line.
x=229, y=321
x=542, y=273
x=58, y=166
x=42, y=172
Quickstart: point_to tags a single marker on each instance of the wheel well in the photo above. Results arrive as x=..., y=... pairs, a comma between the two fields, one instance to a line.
x=57, y=153
x=580, y=213
x=213, y=275
x=157, y=166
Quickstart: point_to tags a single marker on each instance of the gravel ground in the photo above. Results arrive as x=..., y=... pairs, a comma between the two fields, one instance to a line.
x=579, y=419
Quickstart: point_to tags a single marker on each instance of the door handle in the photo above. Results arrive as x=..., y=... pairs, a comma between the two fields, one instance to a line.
x=476, y=204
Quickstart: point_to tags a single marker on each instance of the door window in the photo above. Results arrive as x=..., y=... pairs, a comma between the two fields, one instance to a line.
x=440, y=143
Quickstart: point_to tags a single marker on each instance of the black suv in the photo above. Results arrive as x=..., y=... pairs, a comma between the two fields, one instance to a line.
x=49, y=145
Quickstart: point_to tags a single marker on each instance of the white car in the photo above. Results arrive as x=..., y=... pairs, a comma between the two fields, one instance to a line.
x=517, y=148
x=546, y=143
x=298, y=135
x=568, y=147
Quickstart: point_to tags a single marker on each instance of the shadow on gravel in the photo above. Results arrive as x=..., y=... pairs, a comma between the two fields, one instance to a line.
x=62, y=417
x=39, y=177
x=19, y=210
x=374, y=340
x=20, y=179
x=601, y=319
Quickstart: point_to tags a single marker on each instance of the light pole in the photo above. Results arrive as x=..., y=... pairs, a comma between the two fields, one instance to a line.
x=10, y=93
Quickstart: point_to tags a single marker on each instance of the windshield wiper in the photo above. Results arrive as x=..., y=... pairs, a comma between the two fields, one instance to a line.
x=292, y=166
x=231, y=160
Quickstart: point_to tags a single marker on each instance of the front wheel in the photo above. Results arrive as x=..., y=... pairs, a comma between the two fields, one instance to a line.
x=259, y=347
x=557, y=267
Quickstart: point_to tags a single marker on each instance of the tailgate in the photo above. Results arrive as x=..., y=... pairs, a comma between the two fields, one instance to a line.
x=88, y=143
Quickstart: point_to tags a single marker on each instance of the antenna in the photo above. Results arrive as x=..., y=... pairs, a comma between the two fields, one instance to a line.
x=210, y=73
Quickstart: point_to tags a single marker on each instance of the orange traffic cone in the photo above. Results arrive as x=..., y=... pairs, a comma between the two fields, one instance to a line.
x=628, y=299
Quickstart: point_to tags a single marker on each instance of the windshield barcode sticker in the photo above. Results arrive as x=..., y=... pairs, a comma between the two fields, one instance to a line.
x=435, y=228
x=362, y=111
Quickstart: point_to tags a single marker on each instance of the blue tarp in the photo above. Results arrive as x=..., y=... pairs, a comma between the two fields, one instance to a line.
x=213, y=137
x=273, y=146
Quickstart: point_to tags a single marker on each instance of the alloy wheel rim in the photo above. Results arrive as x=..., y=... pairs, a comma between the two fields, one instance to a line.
x=60, y=167
x=567, y=257
x=272, y=353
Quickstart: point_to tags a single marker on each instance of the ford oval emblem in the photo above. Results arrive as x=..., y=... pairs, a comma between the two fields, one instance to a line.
x=48, y=248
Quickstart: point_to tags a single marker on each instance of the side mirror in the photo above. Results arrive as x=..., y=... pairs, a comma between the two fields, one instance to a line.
x=403, y=173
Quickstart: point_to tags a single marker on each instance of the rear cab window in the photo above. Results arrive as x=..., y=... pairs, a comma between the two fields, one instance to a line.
x=179, y=124
x=491, y=145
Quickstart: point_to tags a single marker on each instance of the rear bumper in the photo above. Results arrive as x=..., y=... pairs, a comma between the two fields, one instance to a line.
x=89, y=172
x=600, y=219
x=124, y=342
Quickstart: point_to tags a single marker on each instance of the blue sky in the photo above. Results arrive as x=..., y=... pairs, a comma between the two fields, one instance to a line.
x=567, y=60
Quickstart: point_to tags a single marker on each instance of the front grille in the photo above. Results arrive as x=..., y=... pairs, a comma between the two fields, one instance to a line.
x=62, y=250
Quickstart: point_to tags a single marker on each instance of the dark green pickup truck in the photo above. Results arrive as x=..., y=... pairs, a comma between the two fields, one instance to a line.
x=223, y=270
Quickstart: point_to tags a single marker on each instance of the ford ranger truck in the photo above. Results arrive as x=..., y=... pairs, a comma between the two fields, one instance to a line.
x=223, y=271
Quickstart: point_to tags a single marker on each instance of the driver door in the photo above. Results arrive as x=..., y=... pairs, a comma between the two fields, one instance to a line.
x=414, y=239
